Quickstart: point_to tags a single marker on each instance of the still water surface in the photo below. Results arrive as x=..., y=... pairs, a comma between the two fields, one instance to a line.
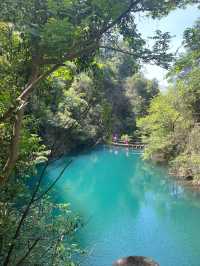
x=131, y=208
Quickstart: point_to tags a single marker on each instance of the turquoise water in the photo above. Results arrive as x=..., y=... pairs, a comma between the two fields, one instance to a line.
x=130, y=208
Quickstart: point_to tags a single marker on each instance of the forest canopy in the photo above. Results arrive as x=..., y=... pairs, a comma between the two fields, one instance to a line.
x=171, y=128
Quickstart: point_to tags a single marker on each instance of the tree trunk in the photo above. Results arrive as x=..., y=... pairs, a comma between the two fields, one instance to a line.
x=14, y=145
x=22, y=99
x=18, y=122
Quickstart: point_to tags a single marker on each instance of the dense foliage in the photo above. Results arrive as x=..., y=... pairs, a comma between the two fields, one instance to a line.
x=172, y=127
x=59, y=88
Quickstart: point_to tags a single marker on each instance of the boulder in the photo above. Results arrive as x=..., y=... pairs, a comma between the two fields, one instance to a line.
x=135, y=261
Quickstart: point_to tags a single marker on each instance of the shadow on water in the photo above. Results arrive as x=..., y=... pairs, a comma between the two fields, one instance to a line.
x=130, y=208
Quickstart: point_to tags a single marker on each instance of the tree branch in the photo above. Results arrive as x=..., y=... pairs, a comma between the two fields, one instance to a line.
x=14, y=145
x=117, y=50
x=28, y=252
x=120, y=17
x=24, y=215
x=89, y=45
x=53, y=184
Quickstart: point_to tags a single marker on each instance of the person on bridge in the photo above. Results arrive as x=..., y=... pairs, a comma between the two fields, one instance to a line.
x=115, y=138
x=126, y=140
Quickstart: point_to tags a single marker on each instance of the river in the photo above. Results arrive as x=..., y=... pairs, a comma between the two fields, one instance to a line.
x=130, y=208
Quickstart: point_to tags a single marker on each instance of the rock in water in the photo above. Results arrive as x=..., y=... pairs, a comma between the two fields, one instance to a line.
x=135, y=261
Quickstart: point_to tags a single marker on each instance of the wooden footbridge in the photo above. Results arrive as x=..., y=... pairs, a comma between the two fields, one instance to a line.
x=134, y=145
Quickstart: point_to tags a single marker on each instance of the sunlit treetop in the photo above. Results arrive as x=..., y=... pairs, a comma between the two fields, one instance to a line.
x=191, y=57
x=59, y=30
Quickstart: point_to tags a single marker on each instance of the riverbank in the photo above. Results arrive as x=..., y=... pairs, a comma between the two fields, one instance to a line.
x=193, y=185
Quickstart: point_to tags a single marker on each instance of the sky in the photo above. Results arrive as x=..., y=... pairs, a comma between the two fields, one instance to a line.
x=175, y=23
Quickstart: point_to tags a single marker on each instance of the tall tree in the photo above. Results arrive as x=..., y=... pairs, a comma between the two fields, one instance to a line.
x=53, y=32
x=171, y=128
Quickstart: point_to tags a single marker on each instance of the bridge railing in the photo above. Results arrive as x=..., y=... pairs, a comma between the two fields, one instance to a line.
x=129, y=142
x=129, y=145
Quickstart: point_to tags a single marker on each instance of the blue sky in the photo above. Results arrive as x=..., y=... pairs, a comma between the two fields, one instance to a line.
x=176, y=22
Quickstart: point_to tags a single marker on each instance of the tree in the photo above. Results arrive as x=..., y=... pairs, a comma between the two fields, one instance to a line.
x=37, y=230
x=171, y=127
x=51, y=33
x=140, y=91
x=158, y=127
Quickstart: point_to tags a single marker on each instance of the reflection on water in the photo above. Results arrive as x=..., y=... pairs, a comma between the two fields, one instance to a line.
x=131, y=208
